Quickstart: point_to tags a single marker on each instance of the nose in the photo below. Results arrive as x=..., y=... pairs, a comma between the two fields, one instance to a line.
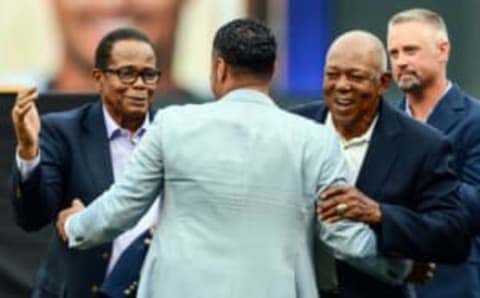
x=400, y=61
x=343, y=84
x=139, y=82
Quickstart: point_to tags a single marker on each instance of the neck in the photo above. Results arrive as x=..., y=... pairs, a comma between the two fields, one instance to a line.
x=128, y=122
x=421, y=103
x=132, y=125
x=247, y=83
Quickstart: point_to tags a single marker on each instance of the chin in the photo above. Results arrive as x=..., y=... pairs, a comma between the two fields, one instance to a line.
x=137, y=113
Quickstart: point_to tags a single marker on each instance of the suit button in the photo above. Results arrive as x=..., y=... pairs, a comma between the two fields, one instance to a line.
x=18, y=192
x=95, y=289
x=106, y=256
x=127, y=292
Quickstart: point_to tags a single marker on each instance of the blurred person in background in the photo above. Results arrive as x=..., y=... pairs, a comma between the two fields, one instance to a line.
x=419, y=50
x=82, y=23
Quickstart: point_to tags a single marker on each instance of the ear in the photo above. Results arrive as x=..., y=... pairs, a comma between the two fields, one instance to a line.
x=385, y=80
x=97, y=76
x=444, y=50
x=222, y=69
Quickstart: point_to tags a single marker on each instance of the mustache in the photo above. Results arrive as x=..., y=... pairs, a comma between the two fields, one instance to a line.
x=408, y=71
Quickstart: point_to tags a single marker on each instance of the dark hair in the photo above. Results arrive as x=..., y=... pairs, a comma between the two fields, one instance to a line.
x=103, y=53
x=248, y=46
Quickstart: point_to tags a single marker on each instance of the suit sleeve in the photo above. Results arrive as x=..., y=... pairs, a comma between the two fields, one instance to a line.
x=346, y=238
x=469, y=170
x=37, y=200
x=436, y=229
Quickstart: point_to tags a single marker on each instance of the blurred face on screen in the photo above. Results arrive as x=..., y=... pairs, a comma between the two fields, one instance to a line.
x=84, y=22
x=126, y=95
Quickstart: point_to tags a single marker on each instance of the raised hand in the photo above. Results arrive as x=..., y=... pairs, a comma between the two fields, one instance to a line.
x=26, y=122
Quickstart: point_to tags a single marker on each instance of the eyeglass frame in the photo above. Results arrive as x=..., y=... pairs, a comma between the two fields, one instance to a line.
x=138, y=73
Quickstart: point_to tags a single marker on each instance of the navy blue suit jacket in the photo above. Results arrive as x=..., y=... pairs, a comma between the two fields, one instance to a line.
x=123, y=279
x=408, y=170
x=457, y=115
x=75, y=163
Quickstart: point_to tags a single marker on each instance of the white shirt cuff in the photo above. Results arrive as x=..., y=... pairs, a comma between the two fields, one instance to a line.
x=26, y=167
x=66, y=227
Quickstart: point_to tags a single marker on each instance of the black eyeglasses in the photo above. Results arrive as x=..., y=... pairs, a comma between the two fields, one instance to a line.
x=128, y=74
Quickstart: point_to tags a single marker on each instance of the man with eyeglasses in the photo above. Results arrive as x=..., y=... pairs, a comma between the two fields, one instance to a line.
x=78, y=154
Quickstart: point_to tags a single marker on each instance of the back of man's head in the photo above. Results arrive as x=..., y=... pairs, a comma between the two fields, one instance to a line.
x=248, y=47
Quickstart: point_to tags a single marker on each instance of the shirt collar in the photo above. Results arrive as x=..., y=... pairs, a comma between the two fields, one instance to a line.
x=113, y=129
x=364, y=138
x=407, y=103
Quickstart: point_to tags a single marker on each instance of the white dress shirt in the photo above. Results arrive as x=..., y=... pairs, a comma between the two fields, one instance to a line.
x=355, y=149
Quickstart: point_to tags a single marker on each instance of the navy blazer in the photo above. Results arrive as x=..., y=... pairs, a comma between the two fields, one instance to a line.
x=408, y=170
x=457, y=115
x=75, y=163
x=123, y=279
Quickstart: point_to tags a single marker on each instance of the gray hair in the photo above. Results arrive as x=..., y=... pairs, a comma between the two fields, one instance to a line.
x=422, y=15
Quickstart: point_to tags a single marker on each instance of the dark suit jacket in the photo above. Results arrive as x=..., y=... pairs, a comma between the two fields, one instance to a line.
x=407, y=169
x=75, y=163
x=457, y=115
x=123, y=280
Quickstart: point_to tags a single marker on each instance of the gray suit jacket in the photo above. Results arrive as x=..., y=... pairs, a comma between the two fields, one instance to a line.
x=239, y=178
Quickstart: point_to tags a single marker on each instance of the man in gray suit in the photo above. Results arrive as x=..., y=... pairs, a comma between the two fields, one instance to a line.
x=238, y=219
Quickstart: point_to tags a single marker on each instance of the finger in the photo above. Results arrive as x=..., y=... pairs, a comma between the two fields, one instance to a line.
x=23, y=106
x=151, y=230
x=60, y=230
x=21, y=111
x=24, y=92
x=327, y=215
x=333, y=201
x=333, y=219
x=332, y=215
x=350, y=214
x=29, y=96
x=332, y=192
x=77, y=203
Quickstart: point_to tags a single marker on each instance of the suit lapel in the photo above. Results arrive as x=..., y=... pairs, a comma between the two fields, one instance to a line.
x=382, y=151
x=448, y=110
x=321, y=114
x=96, y=148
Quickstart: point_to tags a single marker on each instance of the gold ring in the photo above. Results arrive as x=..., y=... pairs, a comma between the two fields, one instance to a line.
x=341, y=208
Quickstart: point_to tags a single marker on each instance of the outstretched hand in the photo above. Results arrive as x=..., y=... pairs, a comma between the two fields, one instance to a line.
x=76, y=207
